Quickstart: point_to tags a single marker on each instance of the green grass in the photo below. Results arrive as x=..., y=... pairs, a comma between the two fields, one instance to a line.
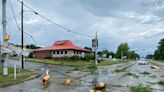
x=161, y=82
x=119, y=70
x=132, y=74
x=10, y=78
x=145, y=73
x=68, y=63
x=104, y=63
x=92, y=68
x=79, y=65
x=140, y=88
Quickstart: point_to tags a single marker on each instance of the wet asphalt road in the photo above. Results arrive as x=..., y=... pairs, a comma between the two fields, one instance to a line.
x=117, y=82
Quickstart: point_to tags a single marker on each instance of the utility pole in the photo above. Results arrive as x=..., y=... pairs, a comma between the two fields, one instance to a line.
x=96, y=48
x=3, y=54
x=22, y=41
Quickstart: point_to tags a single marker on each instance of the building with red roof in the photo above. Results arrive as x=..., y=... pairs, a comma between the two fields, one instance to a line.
x=60, y=48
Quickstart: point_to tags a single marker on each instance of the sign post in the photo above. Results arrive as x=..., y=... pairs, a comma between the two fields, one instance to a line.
x=15, y=71
x=95, y=46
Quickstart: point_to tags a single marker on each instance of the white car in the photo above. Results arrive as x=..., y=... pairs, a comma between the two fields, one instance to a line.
x=142, y=62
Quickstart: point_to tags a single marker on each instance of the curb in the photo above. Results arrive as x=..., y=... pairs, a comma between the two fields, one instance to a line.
x=17, y=82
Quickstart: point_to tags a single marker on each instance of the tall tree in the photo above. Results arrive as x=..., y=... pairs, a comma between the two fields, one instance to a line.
x=133, y=55
x=150, y=56
x=122, y=49
x=159, y=53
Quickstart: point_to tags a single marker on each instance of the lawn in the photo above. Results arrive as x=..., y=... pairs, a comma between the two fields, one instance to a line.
x=140, y=88
x=79, y=65
x=69, y=63
x=24, y=74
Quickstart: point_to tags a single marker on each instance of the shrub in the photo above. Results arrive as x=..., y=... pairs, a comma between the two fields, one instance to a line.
x=66, y=58
x=89, y=57
x=75, y=58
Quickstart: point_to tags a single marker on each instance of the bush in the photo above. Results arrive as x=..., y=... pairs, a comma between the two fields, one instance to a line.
x=66, y=58
x=89, y=57
x=75, y=58
x=140, y=88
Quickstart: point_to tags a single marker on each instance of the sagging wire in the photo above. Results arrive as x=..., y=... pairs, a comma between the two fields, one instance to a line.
x=49, y=20
x=19, y=29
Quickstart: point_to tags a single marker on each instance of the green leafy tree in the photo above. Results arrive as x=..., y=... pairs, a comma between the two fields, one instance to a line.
x=123, y=48
x=99, y=53
x=150, y=56
x=32, y=46
x=106, y=52
x=133, y=55
x=88, y=48
x=159, y=53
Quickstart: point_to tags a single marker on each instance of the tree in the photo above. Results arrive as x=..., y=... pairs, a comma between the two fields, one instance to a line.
x=99, y=53
x=133, y=55
x=150, y=56
x=122, y=49
x=88, y=48
x=159, y=53
x=106, y=52
x=32, y=46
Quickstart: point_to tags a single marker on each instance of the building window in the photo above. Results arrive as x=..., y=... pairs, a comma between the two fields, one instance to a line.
x=57, y=52
x=61, y=52
x=65, y=52
x=74, y=52
x=54, y=52
x=79, y=52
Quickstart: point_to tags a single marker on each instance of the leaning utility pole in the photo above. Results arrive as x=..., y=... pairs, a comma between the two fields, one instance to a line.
x=3, y=54
x=22, y=41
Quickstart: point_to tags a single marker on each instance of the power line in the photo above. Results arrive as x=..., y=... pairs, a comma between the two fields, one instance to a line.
x=14, y=15
x=49, y=20
x=19, y=29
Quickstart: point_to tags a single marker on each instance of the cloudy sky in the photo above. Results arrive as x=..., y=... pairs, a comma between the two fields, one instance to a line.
x=140, y=23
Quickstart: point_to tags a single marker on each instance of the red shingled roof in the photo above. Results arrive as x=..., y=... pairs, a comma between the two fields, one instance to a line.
x=62, y=45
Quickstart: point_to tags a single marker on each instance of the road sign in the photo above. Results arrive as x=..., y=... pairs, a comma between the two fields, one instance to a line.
x=94, y=43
